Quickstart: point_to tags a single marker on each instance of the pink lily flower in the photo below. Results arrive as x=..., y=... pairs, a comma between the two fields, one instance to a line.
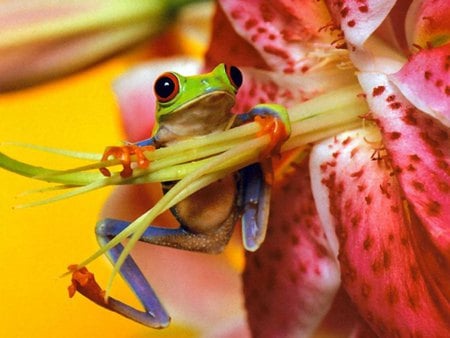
x=358, y=240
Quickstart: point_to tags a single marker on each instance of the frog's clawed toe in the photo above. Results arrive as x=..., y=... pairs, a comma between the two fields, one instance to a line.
x=275, y=127
x=124, y=153
x=84, y=282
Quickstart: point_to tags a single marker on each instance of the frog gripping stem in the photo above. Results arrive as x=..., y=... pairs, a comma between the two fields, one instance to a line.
x=274, y=120
x=124, y=154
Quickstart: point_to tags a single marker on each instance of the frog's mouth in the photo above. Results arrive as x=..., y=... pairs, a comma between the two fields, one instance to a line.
x=207, y=114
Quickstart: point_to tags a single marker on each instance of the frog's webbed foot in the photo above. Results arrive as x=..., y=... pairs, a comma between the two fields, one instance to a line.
x=124, y=154
x=274, y=120
x=154, y=314
x=84, y=282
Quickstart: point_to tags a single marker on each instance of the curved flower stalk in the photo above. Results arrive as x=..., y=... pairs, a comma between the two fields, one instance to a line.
x=46, y=39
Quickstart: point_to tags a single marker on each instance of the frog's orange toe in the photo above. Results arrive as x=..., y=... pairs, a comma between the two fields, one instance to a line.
x=276, y=129
x=84, y=282
x=123, y=154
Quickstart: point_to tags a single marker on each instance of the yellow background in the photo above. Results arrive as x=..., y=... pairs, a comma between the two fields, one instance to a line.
x=78, y=112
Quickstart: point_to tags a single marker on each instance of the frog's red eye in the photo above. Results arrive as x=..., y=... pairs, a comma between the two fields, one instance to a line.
x=166, y=87
x=235, y=75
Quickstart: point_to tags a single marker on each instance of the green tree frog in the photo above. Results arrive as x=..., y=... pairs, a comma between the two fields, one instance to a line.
x=190, y=106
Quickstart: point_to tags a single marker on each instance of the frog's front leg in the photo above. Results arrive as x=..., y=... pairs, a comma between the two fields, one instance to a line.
x=124, y=154
x=274, y=120
x=257, y=178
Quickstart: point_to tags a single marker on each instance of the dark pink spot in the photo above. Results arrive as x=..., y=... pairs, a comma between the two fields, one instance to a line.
x=276, y=51
x=390, y=98
x=392, y=295
x=346, y=141
x=357, y=174
x=418, y=186
x=344, y=12
x=250, y=23
x=368, y=243
x=395, y=105
x=378, y=90
x=395, y=135
x=363, y=9
x=434, y=208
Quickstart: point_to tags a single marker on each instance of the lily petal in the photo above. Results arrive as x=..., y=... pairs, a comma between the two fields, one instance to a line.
x=282, y=32
x=134, y=91
x=428, y=23
x=425, y=81
x=359, y=19
x=238, y=52
x=380, y=252
x=419, y=147
x=291, y=281
x=262, y=86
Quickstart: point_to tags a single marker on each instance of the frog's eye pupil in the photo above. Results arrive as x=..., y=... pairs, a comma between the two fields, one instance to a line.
x=166, y=87
x=235, y=75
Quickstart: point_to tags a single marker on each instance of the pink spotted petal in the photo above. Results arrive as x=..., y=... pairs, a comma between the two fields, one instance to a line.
x=425, y=81
x=237, y=50
x=419, y=147
x=381, y=248
x=291, y=281
x=262, y=86
x=428, y=23
x=359, y=19
x=134, y=91
x=282, y=32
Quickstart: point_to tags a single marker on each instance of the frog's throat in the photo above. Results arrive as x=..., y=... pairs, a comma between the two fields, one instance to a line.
x=207, y=114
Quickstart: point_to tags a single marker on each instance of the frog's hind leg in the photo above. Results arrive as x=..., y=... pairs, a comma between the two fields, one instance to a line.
x=154, y=314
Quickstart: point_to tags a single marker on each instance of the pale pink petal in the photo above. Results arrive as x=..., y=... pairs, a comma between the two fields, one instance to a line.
x=359, y=19
x=290, y=282
x=392, y=30
x=380, y=248
x=425, y=81
x=134, y=91
x=201, y=290
x=428, y=23
x=262, y=86
x=282, y=32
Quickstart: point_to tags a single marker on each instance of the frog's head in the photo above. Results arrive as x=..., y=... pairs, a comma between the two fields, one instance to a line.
x=195, y=105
